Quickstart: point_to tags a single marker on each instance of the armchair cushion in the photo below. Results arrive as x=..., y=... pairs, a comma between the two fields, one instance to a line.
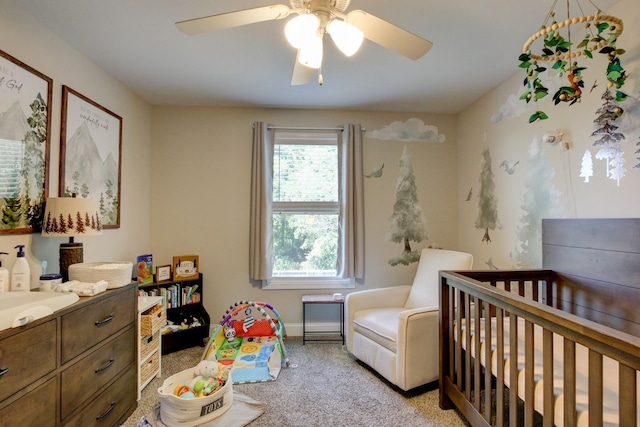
x=379, y=325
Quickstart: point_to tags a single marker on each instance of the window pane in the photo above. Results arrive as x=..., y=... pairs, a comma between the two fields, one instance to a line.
x=305, y=173
x=305, y=244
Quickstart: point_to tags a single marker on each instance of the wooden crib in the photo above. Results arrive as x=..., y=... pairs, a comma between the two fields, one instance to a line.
x=574, y=326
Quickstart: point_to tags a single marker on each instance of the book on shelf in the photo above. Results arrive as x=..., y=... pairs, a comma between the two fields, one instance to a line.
x=145, y=268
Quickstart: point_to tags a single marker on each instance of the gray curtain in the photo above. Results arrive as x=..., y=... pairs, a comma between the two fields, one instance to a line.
x=351, y=204
x=261, y=228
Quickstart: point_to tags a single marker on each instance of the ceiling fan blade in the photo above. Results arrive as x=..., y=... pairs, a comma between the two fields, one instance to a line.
x=301, y=74
x=389, y=35
x=233, y=19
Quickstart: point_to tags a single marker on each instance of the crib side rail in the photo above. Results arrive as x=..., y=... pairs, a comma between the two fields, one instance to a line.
x=467, y=297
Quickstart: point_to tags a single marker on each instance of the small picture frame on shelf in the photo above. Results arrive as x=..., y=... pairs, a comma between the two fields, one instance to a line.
x=163, y=273
x=185, y=267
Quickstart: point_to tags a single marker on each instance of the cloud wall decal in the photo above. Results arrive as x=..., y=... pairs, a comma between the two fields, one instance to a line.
x=413, y=130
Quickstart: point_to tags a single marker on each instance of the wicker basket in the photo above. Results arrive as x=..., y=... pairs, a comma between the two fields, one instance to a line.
x=150, y=367
x=152, y=320
x=148, y=344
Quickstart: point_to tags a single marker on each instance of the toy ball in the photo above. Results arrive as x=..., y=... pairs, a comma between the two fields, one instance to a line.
x=198, y=386
x=188, y=395
x=180, y=390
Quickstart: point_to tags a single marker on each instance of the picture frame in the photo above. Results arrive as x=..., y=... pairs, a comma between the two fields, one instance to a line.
x=91, y=154
x=185, y=267
x=163, y=273
x=25, y=134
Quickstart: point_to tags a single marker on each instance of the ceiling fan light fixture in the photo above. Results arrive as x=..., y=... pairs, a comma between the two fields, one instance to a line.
x=347, y=37
x=311, y=53
x=300, y=29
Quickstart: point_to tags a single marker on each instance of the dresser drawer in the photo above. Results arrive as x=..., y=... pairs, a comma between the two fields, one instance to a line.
x=85, y=327
x=27, y=356
x=111, y=405
x=91, y=373
x=35, y=408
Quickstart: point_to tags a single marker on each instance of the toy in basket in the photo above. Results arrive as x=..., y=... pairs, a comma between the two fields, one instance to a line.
x=196, y=396
x=253, y=346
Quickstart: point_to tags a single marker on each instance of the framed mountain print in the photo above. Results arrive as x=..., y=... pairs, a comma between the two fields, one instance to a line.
x=25, y=125
x=91, y=154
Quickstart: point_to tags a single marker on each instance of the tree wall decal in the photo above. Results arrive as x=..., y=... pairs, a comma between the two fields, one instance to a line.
x=487, y=203
x=407, y=221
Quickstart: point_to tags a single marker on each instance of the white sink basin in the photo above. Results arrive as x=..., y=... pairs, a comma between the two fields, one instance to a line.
x=20, y=308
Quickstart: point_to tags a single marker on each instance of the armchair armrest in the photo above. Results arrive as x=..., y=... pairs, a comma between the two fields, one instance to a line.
x=417, y=353
x=394, y=296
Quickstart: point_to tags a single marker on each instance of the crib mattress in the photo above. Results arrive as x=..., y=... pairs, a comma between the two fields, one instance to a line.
x=610, y=370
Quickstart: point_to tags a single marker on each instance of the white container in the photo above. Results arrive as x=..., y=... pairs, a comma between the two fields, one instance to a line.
x=20, y=273
x=5, y=283
x=178, y=412
x=49, y=282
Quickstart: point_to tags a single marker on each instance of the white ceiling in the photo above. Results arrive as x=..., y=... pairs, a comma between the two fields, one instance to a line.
x=476, y=46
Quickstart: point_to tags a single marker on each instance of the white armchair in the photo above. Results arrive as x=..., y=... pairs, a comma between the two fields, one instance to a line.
x=395, y=330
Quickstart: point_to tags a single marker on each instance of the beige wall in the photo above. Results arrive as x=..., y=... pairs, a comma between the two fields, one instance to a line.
x=201, y=192
x=37, y=47
x=510, y=140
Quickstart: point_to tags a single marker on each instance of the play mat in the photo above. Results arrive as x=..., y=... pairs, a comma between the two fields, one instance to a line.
x=253, y=345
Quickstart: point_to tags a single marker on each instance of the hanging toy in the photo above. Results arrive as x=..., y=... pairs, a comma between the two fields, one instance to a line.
x=248, y=321
x=229, y=332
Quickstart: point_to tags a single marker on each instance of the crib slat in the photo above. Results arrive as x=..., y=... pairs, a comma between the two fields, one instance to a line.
x=513, y=370
x=547, y=378
x=569, y=382
x=500, y=367
x=627, y=393
x=476, y=363
x=467, y=354
x=458, y=352
x=595, y=388
x=528, y=374
x=488, y=309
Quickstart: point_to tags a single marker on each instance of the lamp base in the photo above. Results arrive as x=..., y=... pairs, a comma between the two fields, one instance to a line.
x=70, y=253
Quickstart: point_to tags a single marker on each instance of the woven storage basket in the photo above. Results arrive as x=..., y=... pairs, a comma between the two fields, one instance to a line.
x=152, y=320
x=149, y=367
x=177, y=412
x=148, y=344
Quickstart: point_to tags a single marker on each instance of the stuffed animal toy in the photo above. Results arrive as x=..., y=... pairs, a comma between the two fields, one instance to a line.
x=248, y=320
x=207, y=369
x=229, y=332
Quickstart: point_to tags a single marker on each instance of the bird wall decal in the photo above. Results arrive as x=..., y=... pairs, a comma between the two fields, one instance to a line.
x=375, y=173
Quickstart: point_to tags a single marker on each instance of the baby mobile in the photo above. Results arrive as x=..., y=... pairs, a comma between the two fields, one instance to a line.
x=600, y=34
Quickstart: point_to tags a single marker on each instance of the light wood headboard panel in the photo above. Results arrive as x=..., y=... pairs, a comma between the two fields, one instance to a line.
x=603, y=257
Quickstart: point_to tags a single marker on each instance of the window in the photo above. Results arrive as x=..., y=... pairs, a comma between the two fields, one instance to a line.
x=306, y=228
x=305, y=204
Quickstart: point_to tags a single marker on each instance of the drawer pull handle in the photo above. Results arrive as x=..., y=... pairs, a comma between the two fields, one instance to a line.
x=109, y=363
x=3, y=371
x=107, y=319
x=105, y=413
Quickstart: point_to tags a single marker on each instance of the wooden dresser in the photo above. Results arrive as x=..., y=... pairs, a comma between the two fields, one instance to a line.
x=76, y=367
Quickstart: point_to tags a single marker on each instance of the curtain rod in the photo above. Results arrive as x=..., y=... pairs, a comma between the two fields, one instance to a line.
x=341, y=128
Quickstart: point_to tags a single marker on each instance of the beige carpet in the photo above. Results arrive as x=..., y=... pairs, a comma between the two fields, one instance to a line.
x=327, y=387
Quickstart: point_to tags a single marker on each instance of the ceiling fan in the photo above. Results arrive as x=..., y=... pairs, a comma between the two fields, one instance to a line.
x=305, y=32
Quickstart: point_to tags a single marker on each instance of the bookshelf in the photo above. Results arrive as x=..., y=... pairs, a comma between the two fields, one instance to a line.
x=183, y=302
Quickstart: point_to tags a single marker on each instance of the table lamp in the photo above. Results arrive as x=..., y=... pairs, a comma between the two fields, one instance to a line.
x=70, y=217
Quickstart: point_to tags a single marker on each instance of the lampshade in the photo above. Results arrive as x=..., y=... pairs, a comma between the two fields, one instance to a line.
x=311, y=53
x=70, y=216
x=347, y=37
x=300, y=29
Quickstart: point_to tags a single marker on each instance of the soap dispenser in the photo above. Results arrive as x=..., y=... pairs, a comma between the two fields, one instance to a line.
x=20, y=273
x=4, y=276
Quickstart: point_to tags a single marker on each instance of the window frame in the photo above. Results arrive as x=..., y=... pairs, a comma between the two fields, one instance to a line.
x=307, y=137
